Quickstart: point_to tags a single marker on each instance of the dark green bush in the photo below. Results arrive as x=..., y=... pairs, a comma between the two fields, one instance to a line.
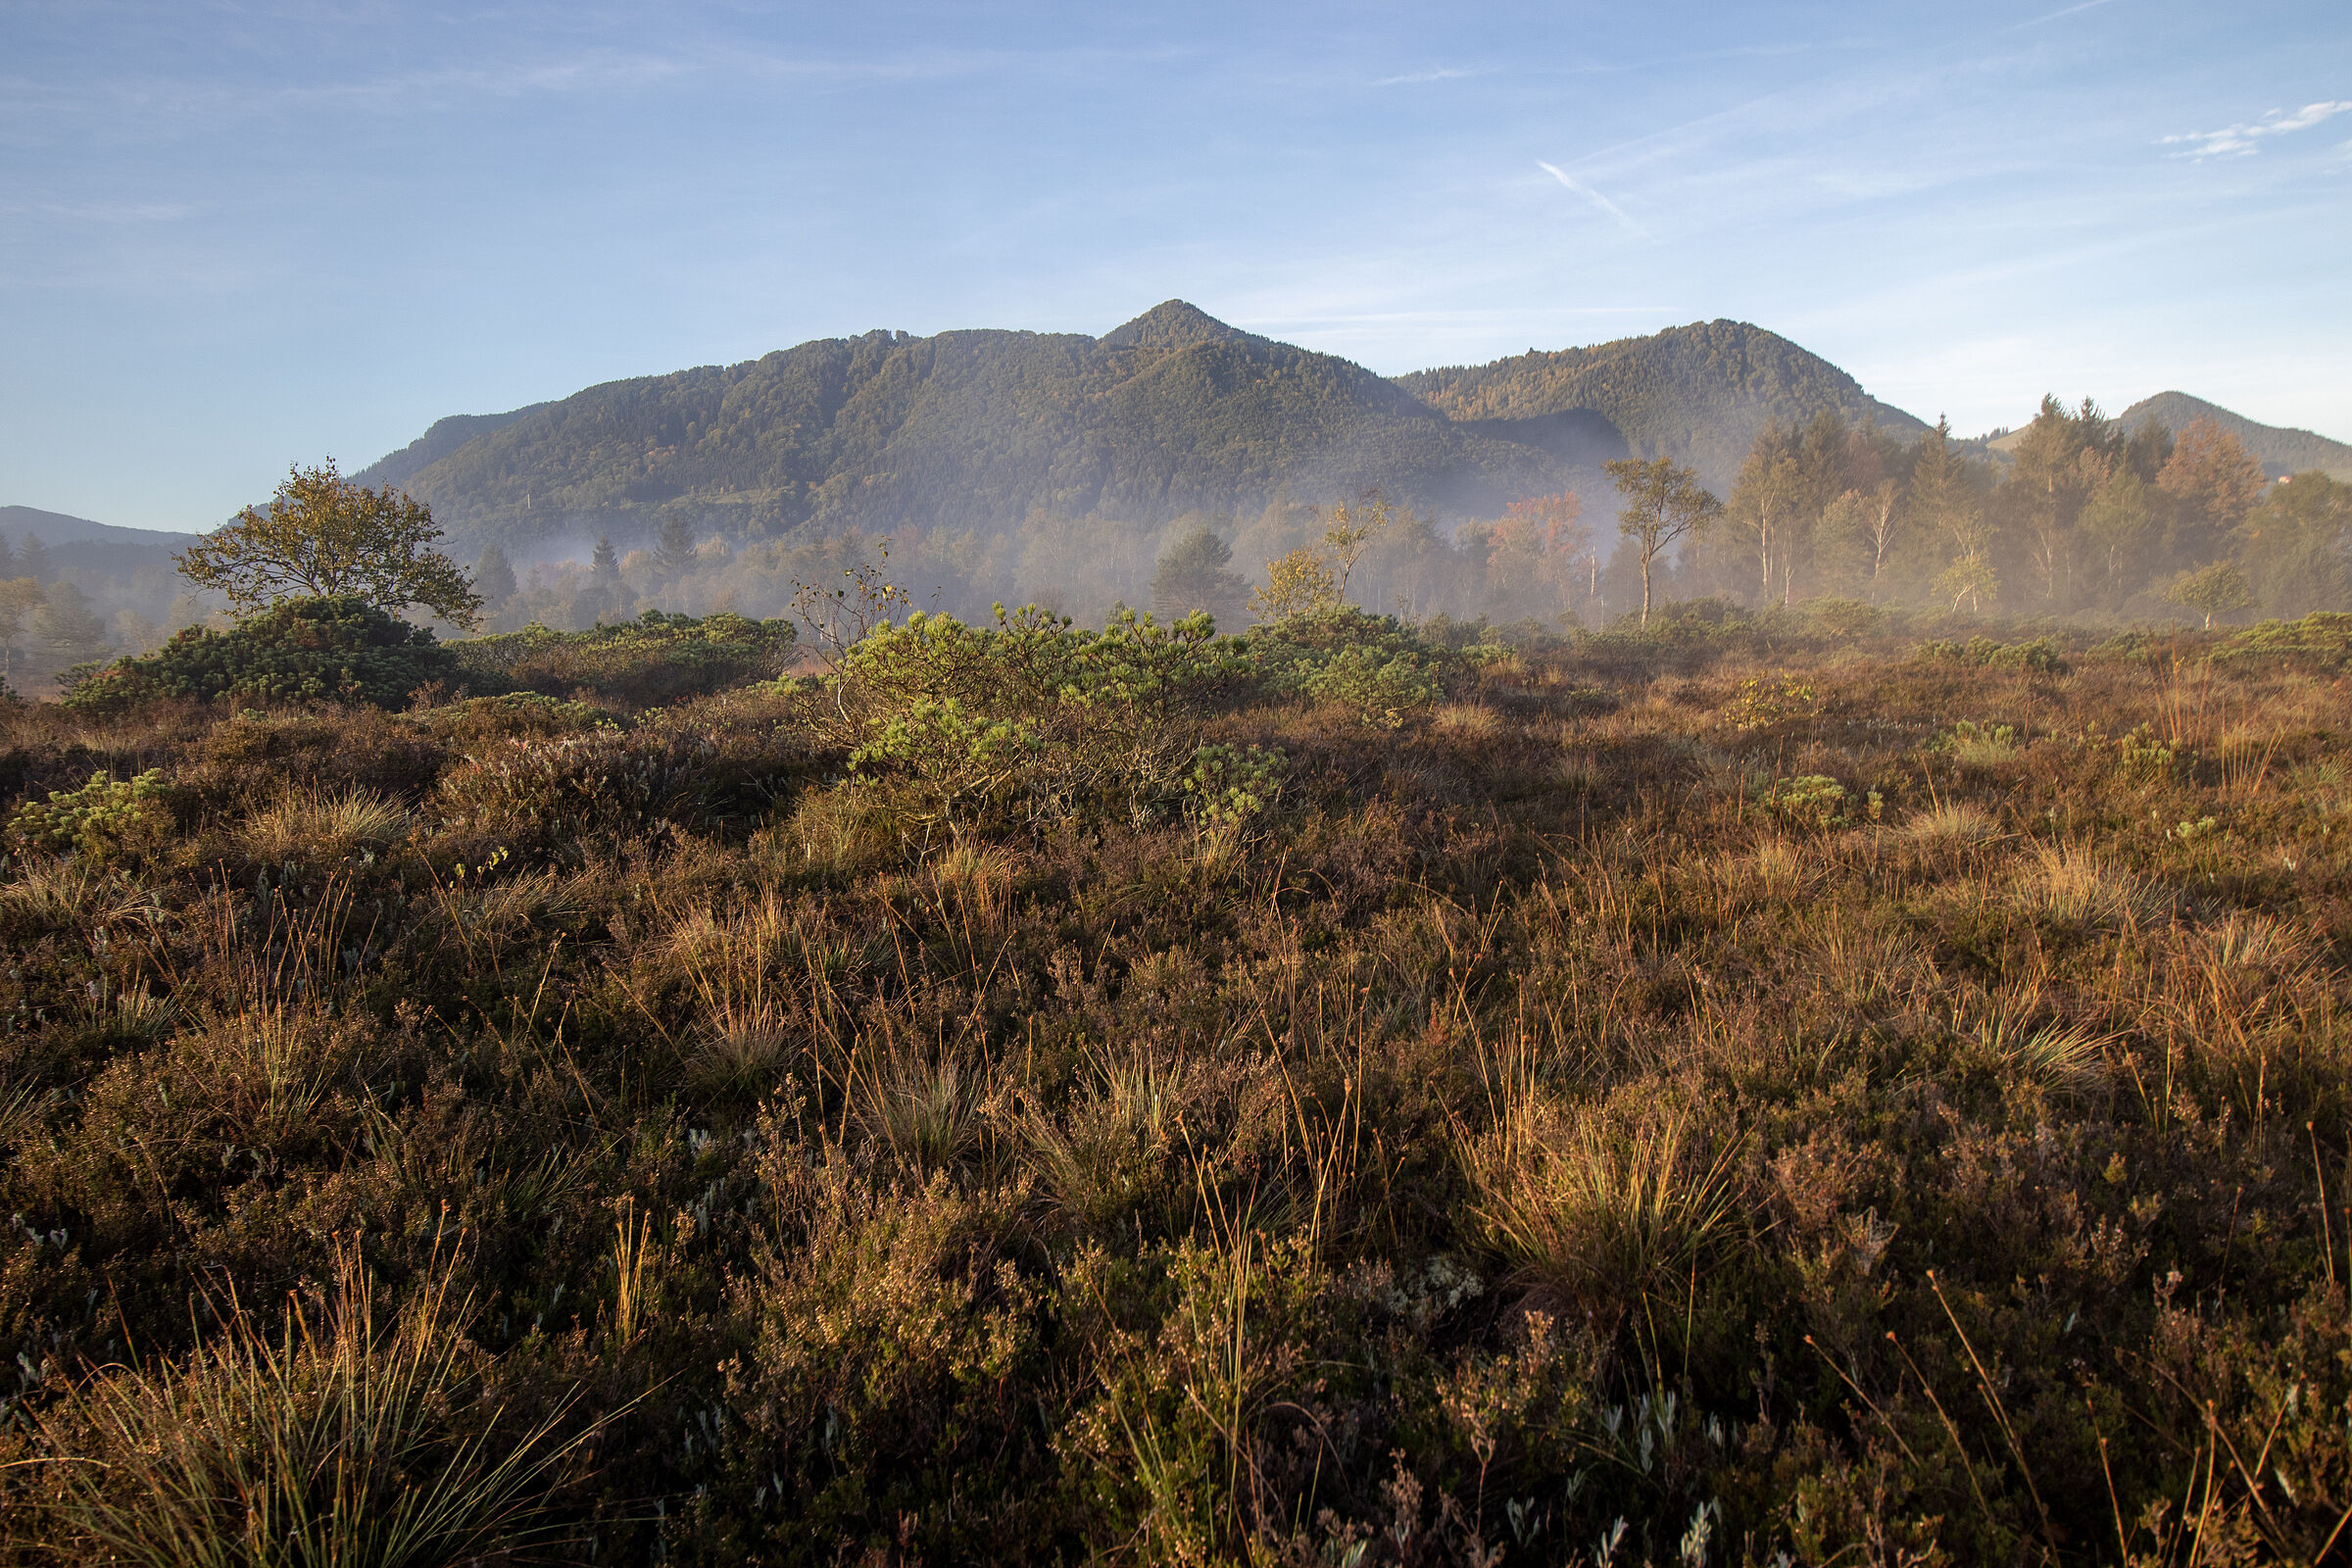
x=1029, y=717
x=654, y=659
x=1375, y=664
x=340, y=650
x=2320, y=641
x=2039, y=654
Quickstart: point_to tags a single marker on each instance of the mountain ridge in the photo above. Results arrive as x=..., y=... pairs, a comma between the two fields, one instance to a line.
x=1174, y=411
x=2281, y=449
x=1642, y=389
x=1170, y=412
x=63, y=529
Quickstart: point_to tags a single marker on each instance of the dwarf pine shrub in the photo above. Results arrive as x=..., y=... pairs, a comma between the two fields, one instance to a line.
x=1028, y=719
x=339, y=649
x=105, y=820
x=654, y=659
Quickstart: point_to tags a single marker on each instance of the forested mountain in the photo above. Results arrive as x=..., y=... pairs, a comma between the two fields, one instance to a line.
x=438, y=442
x=1173, y=413
x=1699, y=394
x=2281, y=450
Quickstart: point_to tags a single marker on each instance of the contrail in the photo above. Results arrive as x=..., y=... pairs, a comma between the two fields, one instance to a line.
x=2065, y=11
x=1594, y=197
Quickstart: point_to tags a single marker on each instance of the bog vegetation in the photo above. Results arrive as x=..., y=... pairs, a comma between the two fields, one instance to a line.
x=1813, y=1074
x=1834, y=1084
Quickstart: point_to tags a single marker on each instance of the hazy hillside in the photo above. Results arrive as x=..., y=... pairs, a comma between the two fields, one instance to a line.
x=1174, y=411
x=96, y=552
x=438, y=442
x=2281, y=450
x=1698, y=393
x=54, y=528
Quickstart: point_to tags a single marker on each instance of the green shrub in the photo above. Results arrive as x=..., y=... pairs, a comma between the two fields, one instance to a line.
x=105, y=820
x=1373, y=663
x=1029, y=718
x=1815, y=800
x=1980, y=744
x=2040, y=655
x=2321, y=642
x=1382, y=691
x=1228, y=784
x=340, y=650
x=1762, y=703
x=654, y=659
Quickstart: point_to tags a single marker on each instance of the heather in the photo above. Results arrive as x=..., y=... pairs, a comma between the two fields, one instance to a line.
x=1780, y=1086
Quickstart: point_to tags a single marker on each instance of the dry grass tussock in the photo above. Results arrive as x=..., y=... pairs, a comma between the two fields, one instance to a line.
x=339, y=1438
x=1959, y=822
x=1636, y=1102
x=1603, y=1204
x=322, y=828
x=2074, y=885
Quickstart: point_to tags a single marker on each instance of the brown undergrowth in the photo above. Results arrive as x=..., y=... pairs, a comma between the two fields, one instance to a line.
x=1821, y=1106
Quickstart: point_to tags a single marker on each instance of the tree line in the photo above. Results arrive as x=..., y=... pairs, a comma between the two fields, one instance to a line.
x=2085, y=518
x=2079, y=519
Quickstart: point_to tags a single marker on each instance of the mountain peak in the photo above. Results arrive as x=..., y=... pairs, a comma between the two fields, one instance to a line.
x=2283, y=450
x=1175, y=325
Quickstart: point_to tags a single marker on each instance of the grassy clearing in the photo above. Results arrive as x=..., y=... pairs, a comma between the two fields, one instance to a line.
x=1570, y=1107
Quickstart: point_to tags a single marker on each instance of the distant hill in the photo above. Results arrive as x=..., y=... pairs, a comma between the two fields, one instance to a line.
x=1699, y=394
x=1173, y=411
x=57, y=529
x=79, y=543
x=2281, y=450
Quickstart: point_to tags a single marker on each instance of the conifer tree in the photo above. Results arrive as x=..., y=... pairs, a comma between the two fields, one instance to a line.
x=494, y=575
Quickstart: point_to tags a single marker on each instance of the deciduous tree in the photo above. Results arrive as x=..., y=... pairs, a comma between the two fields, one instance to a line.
x=323, y=535
x=2215, y=590
x=1297, y=584
x=65, y=622
x=1349, y=533
x=1664, y=503
x=2294, y=545
x=2216, y=480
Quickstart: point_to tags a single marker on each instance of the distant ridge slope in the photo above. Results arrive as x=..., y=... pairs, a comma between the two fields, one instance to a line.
x=439, y=441
x=2282, y=451
x=1174, y=411
x=1699, y=394
x=58, y=528
x=100, y=547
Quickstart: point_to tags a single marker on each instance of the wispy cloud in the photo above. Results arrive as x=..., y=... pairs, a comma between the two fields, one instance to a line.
x=1437, y=73
x=1594, y=197
x=108, y=212
x=2241, y=141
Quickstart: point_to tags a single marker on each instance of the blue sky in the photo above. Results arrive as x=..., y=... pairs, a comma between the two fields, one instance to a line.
x=233, y=236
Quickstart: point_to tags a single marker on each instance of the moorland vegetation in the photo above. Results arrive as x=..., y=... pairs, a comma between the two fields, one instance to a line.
x=1823, y=1082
